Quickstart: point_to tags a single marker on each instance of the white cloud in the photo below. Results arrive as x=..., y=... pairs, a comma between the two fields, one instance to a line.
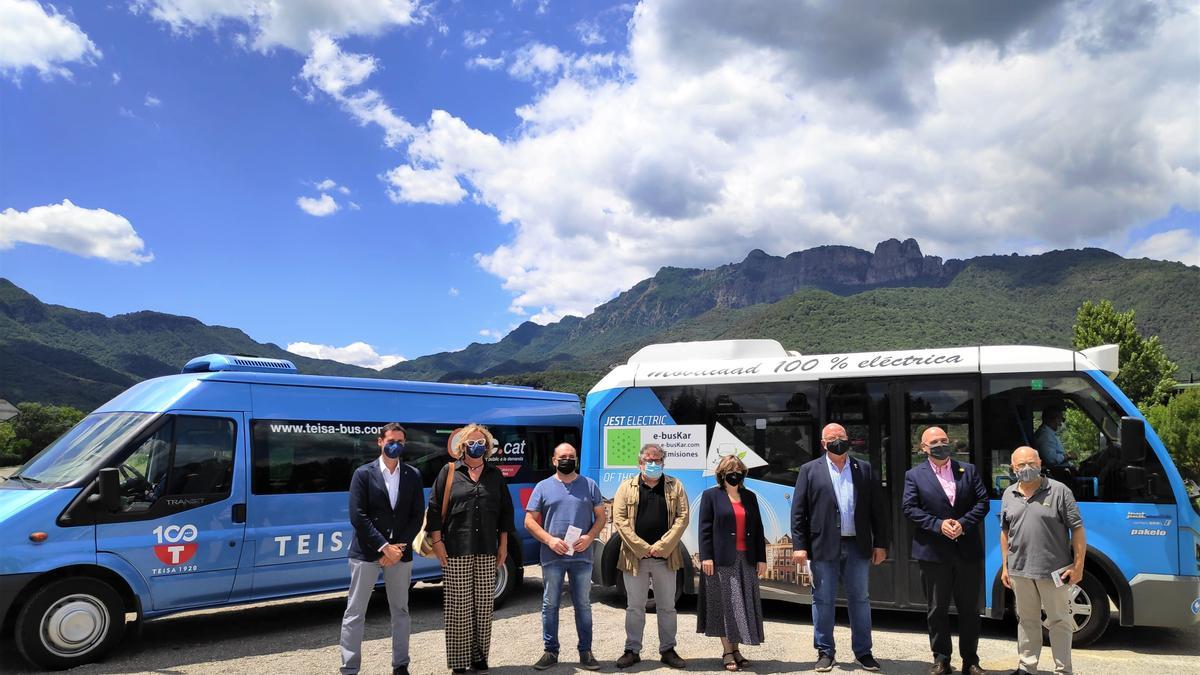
x=320, y=206
x=1182, y=245
x=453, y=292
x=116, y=78
x=437, y=186
x=39, y=38
x=335, y=72
x=486, y=62
x=537, y=60
x=152, y=101
x=724, y=128
x=325, y=185
x=91, y=233
x=272, y=23
x=354, y=206
x=491, y=333
x=474, y=39
x=355, y=354
x=589, y=33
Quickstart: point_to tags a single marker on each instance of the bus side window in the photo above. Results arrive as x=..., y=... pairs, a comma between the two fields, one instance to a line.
x=203, y=460
x=143, y=474
x=775, y=421
x=1064, y=417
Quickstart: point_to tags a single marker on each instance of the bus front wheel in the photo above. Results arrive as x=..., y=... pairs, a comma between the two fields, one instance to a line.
x=70, y=622
x=508, y=577
x=1087, y=609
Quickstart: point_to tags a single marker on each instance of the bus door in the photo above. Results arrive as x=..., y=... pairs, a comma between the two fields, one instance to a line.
x=177, y=523
x=865, y=409
x=946, y=402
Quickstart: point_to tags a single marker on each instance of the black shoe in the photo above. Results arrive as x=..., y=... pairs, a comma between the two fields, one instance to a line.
x=940, y=668
x=588, y=661
x=672, y=660
x=825, y=663
x=400, y=670
x=480, y=666
x=548, y=659
x=974, y=669
x=456, y=671
x=868, y=662
x=628, y=659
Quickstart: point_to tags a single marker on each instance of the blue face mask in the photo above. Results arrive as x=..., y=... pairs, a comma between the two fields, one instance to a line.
x=476, y=449
x=653, y=470
x=393, y=449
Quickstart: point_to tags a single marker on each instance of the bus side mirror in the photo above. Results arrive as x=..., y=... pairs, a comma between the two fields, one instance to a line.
x=1133, y=440
x=108, y=491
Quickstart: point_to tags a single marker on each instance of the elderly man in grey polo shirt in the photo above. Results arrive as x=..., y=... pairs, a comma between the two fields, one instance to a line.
x=1042, y=545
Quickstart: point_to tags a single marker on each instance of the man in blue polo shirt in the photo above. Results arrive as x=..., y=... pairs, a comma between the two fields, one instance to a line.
x=565, y=513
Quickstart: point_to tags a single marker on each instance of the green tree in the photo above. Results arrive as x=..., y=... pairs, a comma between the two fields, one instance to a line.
x=1147, y=375
x=39, y=425
x=1178, y=425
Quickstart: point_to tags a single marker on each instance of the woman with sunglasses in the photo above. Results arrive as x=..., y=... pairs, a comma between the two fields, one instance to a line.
x=471, y=542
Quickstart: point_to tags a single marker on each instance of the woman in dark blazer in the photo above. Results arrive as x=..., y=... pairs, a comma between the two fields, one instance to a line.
x=733, y=555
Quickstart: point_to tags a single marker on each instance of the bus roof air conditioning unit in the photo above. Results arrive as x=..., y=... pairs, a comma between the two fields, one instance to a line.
x=212, y=363
x=1105, y=357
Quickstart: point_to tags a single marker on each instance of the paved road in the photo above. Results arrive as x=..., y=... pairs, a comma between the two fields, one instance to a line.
x=300, y=636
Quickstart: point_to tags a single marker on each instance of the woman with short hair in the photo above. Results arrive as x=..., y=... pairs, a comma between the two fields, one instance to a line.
x=471, y=543
x=733, y=555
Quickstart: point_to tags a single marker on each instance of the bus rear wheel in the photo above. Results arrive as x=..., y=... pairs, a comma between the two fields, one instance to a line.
x=70, y=622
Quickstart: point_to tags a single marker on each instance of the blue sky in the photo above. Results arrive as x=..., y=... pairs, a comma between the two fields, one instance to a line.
x=493, y=163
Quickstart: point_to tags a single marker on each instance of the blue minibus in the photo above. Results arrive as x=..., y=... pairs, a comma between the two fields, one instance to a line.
x=227, y=484
x=703, y=400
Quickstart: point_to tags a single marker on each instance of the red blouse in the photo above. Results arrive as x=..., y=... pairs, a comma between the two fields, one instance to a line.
x=739, y=521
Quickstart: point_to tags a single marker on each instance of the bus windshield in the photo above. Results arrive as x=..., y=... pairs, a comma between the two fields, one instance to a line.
x=76, y=453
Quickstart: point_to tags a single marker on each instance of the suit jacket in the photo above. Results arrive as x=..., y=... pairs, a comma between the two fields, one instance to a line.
x=816, y=518
x=375, y=521
x=925, y=504
x=718, y=536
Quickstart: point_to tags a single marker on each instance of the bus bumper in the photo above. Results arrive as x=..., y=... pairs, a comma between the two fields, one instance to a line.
x=1165, y=600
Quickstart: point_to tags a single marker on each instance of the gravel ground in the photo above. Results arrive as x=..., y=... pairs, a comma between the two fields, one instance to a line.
x=300, y=636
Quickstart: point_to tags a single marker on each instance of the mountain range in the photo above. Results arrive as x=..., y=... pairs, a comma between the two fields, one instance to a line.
x=820, y=300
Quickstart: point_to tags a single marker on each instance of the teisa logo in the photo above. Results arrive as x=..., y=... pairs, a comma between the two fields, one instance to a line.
x=176, y=543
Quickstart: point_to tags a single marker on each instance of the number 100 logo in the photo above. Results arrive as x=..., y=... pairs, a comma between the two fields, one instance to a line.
x=176, y=543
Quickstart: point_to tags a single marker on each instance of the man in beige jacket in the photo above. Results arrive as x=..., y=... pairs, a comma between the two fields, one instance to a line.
x=650, y=513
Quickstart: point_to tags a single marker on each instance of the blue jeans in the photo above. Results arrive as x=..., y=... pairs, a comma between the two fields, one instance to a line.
x=553, y=574
x=853, y=570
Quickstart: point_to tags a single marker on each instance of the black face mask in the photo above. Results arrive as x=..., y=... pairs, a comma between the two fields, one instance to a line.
x=566, y=466
x=940, y=451
x=838, y=447
x=734, y=478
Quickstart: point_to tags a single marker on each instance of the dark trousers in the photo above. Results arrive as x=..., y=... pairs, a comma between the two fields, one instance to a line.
x=957, y=580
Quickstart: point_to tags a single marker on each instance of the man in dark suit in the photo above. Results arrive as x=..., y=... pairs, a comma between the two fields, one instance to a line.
x=946, y=500
x=387, y=507
x=838, y=522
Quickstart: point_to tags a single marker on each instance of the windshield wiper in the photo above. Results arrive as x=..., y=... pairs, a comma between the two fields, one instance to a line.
x=25, y=480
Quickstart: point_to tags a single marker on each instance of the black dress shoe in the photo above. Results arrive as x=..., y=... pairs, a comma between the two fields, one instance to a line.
x=628, y=659
x=673, y=660
x=940, y=668
x=480, y=666
x=974, y=669
x=400, y=670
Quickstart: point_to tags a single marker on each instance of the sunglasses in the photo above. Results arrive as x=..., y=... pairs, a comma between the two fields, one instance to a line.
x=474, y=445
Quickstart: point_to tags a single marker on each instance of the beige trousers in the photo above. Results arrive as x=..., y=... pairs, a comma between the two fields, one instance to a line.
x=1033, y=597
